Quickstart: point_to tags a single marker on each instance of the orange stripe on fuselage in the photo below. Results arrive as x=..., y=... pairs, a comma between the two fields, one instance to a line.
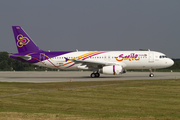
x=68, y=63
x=80, y=57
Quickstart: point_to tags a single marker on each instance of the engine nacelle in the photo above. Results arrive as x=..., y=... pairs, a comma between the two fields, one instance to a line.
x=112, y=70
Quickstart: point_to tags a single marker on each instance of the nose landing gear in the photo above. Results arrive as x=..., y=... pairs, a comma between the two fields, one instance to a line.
x=151, y=74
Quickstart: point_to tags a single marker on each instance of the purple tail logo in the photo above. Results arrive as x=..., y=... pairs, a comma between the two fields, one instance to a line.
x=21, y=40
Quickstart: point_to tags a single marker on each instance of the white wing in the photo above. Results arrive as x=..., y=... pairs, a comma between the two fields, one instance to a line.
x=97, y=64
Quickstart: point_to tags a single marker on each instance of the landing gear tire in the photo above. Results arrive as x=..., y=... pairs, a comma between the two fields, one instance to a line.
x=97, y=74
x=93, y=75
x=151, y=75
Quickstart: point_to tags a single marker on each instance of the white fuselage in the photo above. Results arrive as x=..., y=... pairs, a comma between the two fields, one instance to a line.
x=127, y=59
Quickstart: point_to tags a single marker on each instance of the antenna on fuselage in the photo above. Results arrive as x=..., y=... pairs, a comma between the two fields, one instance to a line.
x=144, y=50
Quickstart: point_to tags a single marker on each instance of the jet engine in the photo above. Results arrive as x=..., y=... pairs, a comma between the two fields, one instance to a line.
x=112, y=70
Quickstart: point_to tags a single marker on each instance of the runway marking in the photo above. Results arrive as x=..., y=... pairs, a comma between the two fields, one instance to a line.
x=70, y=89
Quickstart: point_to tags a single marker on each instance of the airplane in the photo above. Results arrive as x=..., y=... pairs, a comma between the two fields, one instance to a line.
x=100, y=62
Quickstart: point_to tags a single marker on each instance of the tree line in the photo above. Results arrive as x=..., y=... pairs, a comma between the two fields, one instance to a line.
x=8, y=64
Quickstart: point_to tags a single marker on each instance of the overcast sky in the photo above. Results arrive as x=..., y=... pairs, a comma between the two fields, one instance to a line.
x=66, y=25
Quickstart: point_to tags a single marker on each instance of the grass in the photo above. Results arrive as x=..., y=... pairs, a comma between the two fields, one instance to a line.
x=144, y=99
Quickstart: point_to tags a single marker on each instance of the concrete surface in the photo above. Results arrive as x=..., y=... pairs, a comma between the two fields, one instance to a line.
x=41, y=77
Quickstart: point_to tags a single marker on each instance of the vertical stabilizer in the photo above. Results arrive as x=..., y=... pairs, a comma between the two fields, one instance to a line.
x=23, y=41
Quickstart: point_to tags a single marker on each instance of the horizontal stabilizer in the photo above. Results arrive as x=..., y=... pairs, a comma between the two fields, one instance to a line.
x=23, y=57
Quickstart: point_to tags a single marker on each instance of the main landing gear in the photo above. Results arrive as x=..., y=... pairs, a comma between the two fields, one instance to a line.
x=93, y=75
x=151, y=74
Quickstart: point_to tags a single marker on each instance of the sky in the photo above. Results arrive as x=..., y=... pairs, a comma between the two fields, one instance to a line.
x=89, y=25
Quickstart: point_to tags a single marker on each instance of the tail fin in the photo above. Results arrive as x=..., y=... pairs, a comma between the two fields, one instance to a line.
x=23, y=41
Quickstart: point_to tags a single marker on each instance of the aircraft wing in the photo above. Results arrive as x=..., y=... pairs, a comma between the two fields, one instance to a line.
x=96, y=64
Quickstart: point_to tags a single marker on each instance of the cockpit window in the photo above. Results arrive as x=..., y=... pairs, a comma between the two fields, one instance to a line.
x=162, y=56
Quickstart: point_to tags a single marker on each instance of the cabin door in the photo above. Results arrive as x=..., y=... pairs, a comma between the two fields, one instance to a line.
x=42, y=58
x=151, y=57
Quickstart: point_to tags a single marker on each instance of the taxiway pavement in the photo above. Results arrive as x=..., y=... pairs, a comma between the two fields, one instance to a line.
x=42, y=77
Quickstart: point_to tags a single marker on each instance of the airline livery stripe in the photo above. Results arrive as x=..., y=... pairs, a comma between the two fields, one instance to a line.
x=52, y=63
x=70, y=66
x=113, y=69
x=68, y=63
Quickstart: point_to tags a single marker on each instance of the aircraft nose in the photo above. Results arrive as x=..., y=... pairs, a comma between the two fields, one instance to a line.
x=170, y=62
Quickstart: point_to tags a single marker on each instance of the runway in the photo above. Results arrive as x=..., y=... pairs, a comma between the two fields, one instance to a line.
x=44, y=77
